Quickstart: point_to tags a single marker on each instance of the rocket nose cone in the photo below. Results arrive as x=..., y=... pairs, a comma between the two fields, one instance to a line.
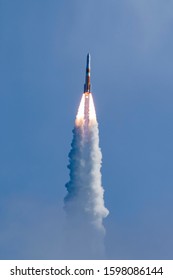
x=88, y=56
x=88, y=59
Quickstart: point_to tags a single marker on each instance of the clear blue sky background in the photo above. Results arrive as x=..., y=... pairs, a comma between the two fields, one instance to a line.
x=43, y=47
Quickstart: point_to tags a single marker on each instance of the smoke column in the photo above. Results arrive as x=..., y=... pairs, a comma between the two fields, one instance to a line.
x=84, y=202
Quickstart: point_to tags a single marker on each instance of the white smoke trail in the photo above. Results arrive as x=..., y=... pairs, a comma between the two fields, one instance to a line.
x=84, y=202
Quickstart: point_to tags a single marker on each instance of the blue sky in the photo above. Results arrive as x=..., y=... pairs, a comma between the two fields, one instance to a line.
x=42, y=65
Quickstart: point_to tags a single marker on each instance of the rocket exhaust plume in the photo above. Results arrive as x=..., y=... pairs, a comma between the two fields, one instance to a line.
x=84, y=202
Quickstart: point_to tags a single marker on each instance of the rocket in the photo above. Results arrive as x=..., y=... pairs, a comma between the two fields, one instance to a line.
x=87, y=85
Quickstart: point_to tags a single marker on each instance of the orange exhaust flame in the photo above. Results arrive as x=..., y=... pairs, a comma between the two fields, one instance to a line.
x=82, y=115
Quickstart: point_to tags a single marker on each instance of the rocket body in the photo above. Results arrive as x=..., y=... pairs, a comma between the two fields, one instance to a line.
x=87, y=85
x=86, y=113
